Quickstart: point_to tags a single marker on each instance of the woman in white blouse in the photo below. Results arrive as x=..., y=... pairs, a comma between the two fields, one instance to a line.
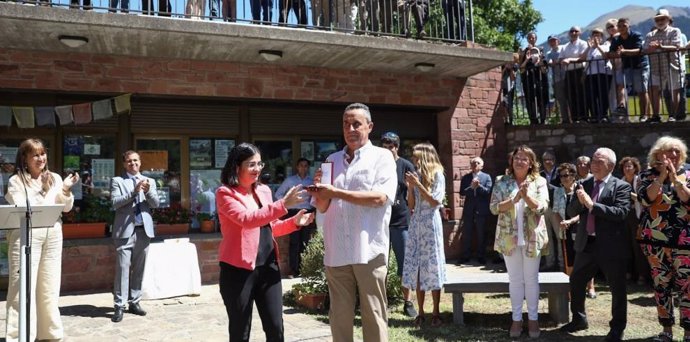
x=598, y=79
x=32, y=178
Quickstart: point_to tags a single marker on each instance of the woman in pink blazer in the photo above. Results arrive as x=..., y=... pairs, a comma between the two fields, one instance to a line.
x=248, y=253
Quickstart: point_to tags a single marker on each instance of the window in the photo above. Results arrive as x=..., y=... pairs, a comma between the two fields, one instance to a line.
x=277, y=155
x=207, y=157
x=160, y=160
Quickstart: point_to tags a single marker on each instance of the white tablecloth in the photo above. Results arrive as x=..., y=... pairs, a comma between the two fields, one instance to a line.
x=172, y=269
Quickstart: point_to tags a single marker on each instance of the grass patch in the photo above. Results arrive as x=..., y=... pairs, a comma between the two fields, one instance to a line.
x=487, y=318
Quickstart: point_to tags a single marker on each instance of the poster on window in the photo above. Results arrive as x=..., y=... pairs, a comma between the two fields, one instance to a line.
x=92, y=149
x=8, y=154
x=103, y=170
x=307, y=148
x=221, y=152
x=200, y=154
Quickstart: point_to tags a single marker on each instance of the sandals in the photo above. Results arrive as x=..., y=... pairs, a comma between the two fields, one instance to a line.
x=436, y=321
x=419, y=320
x=515, y=329
x=665, y=337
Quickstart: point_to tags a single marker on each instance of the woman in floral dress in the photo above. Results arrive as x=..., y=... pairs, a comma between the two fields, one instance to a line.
x=424, y=268
x=665, y=231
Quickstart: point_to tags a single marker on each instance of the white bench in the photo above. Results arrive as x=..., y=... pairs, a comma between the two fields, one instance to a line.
x=556, y=284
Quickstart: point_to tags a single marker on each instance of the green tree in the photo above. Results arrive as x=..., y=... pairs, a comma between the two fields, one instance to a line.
x=504, y=23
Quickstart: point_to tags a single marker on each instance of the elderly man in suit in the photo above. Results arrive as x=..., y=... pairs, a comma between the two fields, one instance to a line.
x=603, y=204
x=132, y=195
x=476, y=188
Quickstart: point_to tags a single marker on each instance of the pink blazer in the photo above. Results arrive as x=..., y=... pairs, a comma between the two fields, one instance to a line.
x=239, y=225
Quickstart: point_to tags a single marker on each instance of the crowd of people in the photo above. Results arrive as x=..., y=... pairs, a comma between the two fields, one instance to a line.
x=378, y=16
x=591, y=80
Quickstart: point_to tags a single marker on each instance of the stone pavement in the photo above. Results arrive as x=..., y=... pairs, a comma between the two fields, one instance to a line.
x=86, y=318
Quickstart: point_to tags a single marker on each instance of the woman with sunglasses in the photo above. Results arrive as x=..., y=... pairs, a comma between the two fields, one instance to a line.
x=665, y=232
x=248, y=252
x=562, y=196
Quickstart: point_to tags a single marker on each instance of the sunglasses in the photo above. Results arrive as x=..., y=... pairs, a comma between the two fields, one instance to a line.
x=660, y=19
x=574, y=31
x=609, y=27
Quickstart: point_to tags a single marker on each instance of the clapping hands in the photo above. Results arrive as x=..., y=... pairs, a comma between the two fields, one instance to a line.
x=583, y=197
x=302, y=218
x=68, y=182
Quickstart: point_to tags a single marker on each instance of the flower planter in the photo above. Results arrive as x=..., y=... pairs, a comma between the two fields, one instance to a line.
x=207, y=226
x=83, y=230
x=171, y=229
x=312, y=301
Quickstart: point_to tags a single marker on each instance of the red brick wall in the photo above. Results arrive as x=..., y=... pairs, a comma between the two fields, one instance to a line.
x=20, y=69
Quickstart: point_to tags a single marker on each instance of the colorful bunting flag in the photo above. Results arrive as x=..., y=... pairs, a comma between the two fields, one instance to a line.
x=24, y=116
x=123, y=103
x=82, y=113
x=45, y=116
x=102, y=110
x=5, y=116
x=65, y=114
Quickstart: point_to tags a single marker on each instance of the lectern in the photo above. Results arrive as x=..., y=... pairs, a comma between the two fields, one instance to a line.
x=14, y=217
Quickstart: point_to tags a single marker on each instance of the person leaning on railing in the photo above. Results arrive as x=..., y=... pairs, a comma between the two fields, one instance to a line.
x=663, y=43
x=627, y=46
x=598, y=77
x=570, y=58
x=534, y=80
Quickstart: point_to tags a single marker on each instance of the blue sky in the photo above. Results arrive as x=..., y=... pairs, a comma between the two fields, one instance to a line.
x=559, y=15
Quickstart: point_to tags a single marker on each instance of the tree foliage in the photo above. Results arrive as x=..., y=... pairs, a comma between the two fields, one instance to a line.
x=504, y=23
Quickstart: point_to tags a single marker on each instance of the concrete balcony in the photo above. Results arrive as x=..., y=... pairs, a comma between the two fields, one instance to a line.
x=38, y=28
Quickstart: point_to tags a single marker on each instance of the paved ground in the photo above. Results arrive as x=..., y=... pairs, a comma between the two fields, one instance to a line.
x=86, y=317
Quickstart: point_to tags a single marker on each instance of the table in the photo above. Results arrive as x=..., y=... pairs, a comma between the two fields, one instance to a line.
x=172, y=269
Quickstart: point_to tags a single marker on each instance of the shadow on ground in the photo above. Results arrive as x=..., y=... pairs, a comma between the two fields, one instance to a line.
x=86, y=311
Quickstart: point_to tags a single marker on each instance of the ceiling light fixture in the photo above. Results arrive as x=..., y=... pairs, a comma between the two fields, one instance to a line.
x=271, y=55
x=73, y=41
x=424, y=67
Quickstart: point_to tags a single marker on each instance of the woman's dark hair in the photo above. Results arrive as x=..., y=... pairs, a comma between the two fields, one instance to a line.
x=238, y=154
x=633, y=160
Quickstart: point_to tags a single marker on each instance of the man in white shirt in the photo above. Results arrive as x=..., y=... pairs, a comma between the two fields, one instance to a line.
x=570, y=54
x=357, y=210
x=299, y=238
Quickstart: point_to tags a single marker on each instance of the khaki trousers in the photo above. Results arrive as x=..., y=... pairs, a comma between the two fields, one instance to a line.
x=46, y=262
x=343, y=283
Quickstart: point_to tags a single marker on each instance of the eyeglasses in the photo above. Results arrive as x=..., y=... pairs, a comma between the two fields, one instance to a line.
x=660, y=19
x=609, y=27
x=255, y=165
x=564, y=175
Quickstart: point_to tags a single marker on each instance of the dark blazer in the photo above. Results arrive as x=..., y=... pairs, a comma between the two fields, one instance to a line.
x=610, y=211
x=476, y=201
x=553, y=184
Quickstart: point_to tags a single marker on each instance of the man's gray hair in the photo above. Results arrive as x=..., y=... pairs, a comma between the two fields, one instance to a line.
x=477, y=159
x=362, y=106
x=584, y=159
x=608, y=153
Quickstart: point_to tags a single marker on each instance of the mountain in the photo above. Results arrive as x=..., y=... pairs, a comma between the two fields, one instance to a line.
x=641, y=20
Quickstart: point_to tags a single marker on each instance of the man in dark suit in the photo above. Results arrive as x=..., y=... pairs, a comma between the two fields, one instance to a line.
x=132, y=195
x=554, y=259
x=476, y=188
x=601, y=242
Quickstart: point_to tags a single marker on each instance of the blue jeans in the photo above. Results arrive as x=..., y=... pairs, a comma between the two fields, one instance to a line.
x=398, y=242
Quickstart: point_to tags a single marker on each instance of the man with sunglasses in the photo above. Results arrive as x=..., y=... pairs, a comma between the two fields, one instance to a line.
x=570, y=56
x=627, y=46
x=400, y=214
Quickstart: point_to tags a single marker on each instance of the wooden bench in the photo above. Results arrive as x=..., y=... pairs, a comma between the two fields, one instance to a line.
x=556, y=284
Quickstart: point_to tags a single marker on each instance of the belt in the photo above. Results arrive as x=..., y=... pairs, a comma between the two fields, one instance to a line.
x=139, y=226
x=591, y=238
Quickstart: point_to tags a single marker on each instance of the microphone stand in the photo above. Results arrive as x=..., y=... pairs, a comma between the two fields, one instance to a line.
x=25, y=271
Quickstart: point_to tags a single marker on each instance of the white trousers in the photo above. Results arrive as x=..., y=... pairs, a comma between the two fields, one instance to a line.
x=46, y=263
x=523, y=274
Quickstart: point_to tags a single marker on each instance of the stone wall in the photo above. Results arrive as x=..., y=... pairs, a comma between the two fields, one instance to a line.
x=571, y=141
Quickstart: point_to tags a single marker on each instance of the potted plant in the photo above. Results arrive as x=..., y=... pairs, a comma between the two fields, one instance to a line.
x=207, y=222
x=88, y=220
x=312, y=292
x=172, y=220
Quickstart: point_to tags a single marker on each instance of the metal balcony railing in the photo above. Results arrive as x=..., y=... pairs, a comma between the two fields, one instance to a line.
x=599, y=91
x=444, y=20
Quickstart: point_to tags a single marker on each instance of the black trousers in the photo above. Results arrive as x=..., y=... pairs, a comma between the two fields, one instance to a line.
x=587, y=264
x=298, y=242
x=240, y=288
x=575, y=94
x=297, y=6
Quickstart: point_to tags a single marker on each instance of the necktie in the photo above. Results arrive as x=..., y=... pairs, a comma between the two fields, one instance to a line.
x=138, y=218
x=595, y=197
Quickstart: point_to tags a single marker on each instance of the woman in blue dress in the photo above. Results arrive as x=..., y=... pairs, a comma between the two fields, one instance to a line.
x=424, y=268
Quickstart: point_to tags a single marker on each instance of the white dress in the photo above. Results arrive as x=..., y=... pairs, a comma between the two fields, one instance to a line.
x=424, y=248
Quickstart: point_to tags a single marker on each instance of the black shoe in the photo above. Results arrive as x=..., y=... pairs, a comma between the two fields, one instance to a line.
x=481, y=261
x=575, y=325
x=463, y=261
x=614, y=336
x=654, y=119
x=136, y=309
x=408, y=309
x=117, y=316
